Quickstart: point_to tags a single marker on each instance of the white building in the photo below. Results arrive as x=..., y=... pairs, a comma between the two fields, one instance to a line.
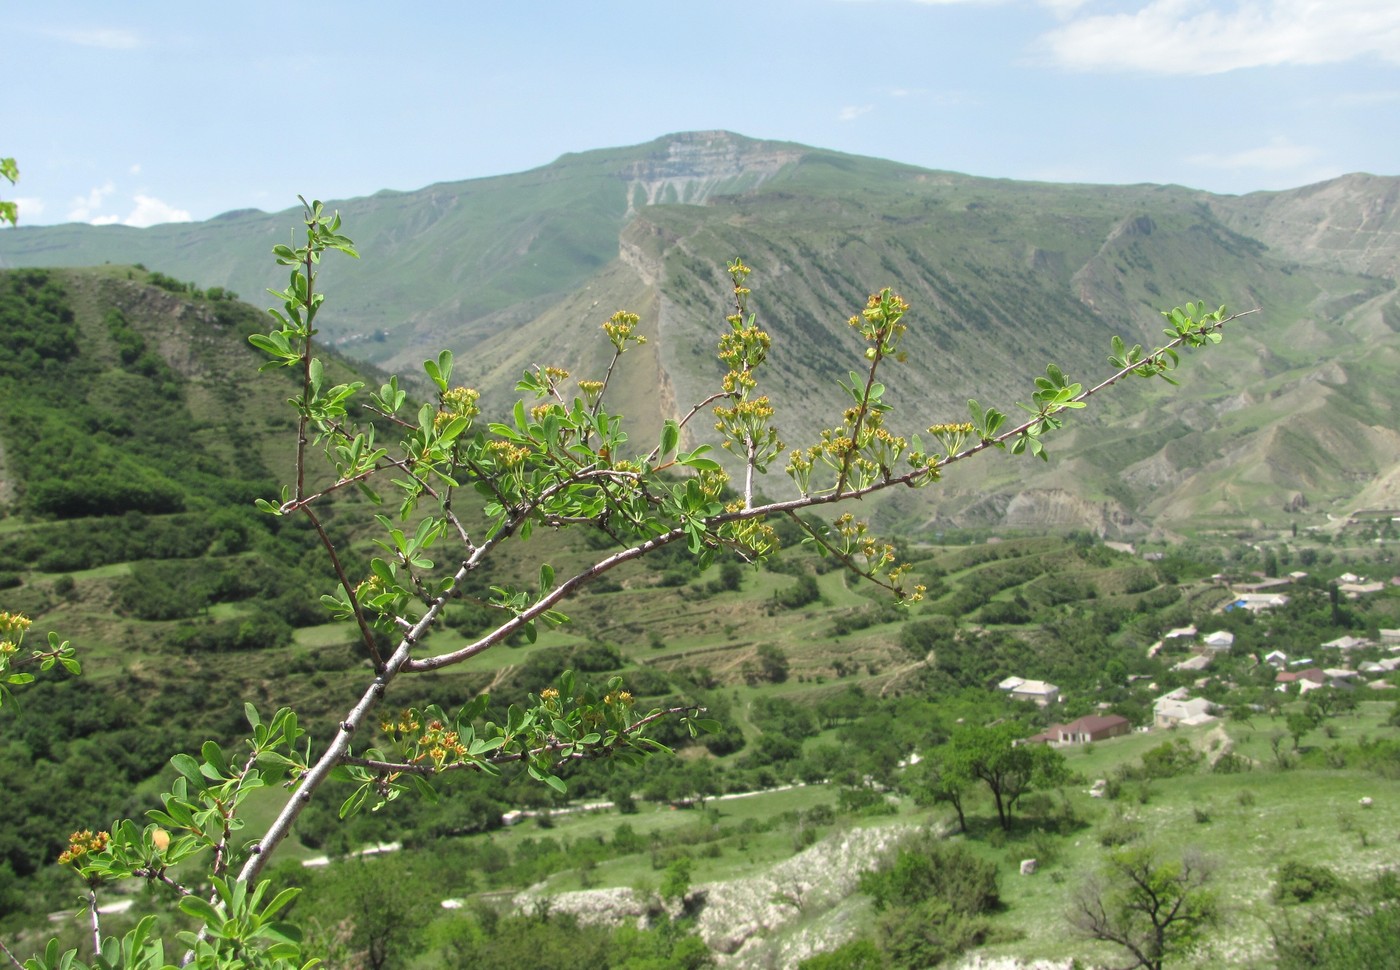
x=1039, y=692
x=1220, y=640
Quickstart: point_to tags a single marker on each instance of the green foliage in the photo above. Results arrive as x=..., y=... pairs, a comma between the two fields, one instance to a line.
x=931, y=897
x=1301, y=882
x=1359, y=932
x=934, y=869
x=1156, y=910
x=462, y=486
x=855, y=955
x=1009, y=769
x=9, y=210
x=13, y=659
x=675, y=882
x=799, y=594
x=1170, y=758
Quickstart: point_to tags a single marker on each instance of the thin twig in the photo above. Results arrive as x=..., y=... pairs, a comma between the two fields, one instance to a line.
x=96, y=923
x=366, y=634
x=159, y=875
x=594, y=751
x=13, y=959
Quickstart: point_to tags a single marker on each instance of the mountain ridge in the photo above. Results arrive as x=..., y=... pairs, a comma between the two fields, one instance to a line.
x=519, y=269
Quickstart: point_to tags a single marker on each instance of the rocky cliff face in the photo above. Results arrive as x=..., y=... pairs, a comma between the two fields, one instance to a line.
x=692, y=167
x=1350, y=223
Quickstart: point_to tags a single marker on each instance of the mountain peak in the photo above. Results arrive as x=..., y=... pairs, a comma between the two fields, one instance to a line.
x=690, y=167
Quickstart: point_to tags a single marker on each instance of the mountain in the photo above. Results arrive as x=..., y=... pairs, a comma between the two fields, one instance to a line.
x=1293, y=412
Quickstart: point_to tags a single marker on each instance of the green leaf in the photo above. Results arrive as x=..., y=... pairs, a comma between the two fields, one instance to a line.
x=189, y=768
x=670, y=437
x=215, y=756
x=353, y=804
x=201, y=909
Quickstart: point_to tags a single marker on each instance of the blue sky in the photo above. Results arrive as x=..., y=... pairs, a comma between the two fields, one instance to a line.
x=155, y=112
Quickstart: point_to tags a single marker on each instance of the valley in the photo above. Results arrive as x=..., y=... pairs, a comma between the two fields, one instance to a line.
x=137, y=435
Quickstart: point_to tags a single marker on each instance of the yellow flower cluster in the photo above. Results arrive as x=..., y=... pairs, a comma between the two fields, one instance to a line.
x=621, y=327
x=81, y=844
x=369, y=588
x=507, y=454
x=13, y=625
x=540, y=411
x=406, y=724
x=457, y=402
x=746, y=419
x=438, y=744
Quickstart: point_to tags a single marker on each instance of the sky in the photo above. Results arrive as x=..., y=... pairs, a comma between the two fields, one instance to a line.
x=151, y=112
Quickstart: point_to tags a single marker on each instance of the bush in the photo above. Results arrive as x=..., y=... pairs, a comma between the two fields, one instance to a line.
x=801, y=593
x=855, y=955
x=1170, y=759
x=1119, y=830
x=934, y=870
x=1300, y=882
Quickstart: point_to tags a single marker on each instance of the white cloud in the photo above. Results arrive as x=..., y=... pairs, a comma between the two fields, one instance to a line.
x=107, y=38
x=146, y=209
x=1211, y=37
x=1279, y=154
x=82, y=207
x=150, y=211
x=30, y=206
x=135, y=169
x=852, y=112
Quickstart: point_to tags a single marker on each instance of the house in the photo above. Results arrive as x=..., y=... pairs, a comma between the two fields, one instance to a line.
x=1347, y=642
x=1313, y=675
x=1356, y=590
x=1180, y=633
x=1390, y=637
x=1306, y=685
x=1261, y=585
x=1220, y=640
x=1198, y=662
x=1036, y=691
x=1276, y=658
x=1174, y=709
x=1254, y=602
x=1089, y=728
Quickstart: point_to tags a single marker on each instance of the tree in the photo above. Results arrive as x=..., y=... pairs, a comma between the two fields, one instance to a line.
x=940, y=778
x=1153, y=909
x=772, y=663
x=562, y=463
x=1010, y=769
x=1299, y=723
